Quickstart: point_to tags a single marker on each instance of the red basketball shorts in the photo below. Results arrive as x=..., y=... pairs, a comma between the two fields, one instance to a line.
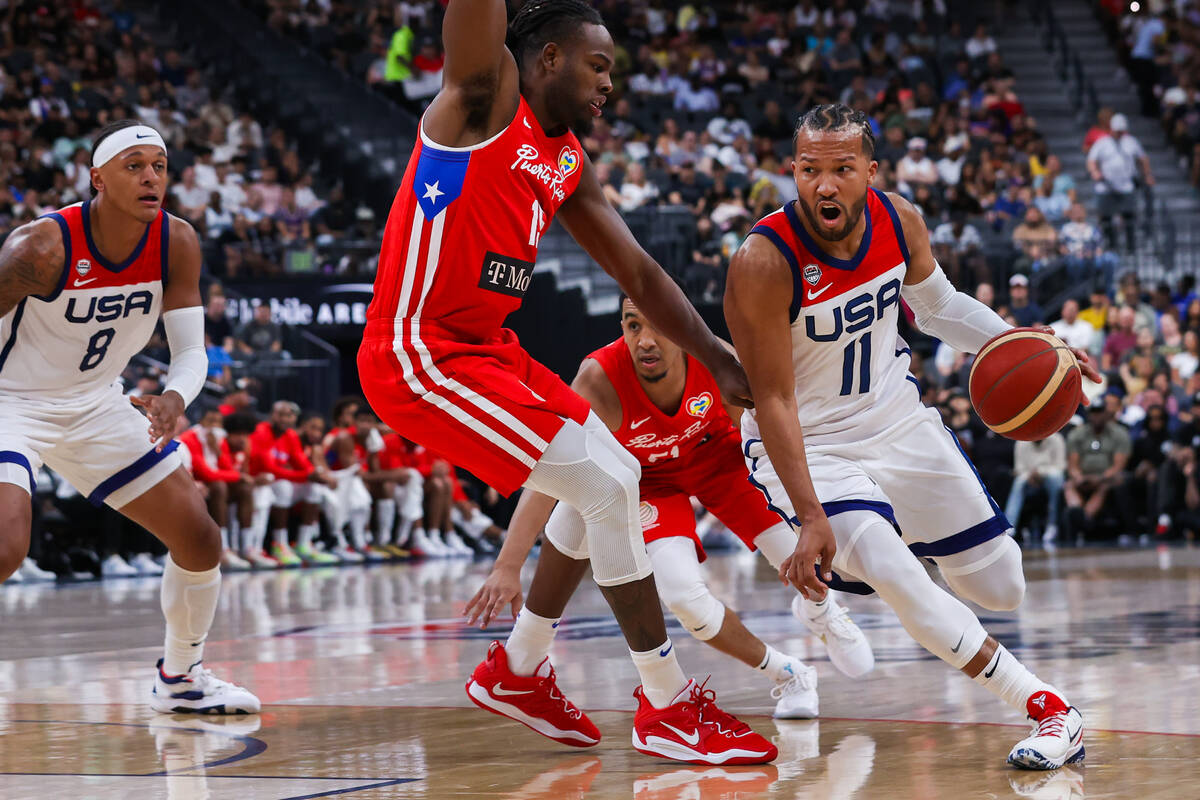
x=488, y=407
x=716, y=475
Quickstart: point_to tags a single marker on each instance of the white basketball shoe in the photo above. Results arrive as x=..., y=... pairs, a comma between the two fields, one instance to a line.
x=1057, y=736
x=848, y=647
x=198, y=691
x=797, y=696
x=145, y=565
x=115, y=567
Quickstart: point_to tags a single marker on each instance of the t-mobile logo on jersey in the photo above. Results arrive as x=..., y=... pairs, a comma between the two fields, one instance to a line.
x=505, y=275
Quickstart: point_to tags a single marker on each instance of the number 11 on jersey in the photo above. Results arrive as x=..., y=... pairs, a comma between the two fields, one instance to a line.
x=536, y=223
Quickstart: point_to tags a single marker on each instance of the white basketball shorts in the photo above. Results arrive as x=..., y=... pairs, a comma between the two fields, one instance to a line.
x=914, y=474
x=99, y=443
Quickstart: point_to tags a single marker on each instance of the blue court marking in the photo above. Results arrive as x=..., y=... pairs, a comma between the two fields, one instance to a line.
x=251, y=746
x=333, y=792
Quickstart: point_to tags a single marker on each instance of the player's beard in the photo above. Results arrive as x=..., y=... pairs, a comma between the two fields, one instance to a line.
x=852, y=216
x=560, y=94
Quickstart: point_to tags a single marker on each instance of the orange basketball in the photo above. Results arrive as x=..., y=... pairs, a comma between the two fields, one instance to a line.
x=1025, y=384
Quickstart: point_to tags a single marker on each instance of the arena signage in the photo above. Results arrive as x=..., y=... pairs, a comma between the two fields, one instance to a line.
x=306, y=304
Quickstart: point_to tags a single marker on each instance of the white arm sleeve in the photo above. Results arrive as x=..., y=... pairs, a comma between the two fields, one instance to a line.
x=189, y=360
x=957, y=319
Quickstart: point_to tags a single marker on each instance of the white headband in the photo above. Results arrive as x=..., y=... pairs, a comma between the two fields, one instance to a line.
x=124, y=139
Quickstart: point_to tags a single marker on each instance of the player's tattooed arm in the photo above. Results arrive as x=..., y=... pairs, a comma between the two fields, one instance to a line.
x=592, y=384
x=31, y=263
x=758, y=296
x=595, y=224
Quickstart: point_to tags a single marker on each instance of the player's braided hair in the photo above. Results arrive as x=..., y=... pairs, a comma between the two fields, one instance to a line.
x=541, y=21
x=836, y=117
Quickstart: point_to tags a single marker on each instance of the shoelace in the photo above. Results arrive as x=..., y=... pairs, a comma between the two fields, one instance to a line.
x=206, y=681
x=1052, y=725
x=802, y=680
x=841, y=626
x=552, y=691
x=709, y=711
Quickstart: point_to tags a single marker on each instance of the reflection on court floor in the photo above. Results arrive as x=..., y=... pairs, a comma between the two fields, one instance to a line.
x=361, y=672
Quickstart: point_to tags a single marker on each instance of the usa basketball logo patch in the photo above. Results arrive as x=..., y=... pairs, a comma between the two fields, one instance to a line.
x=568, y=161
x=698, y=406
x=83, y=266
x=812, y=274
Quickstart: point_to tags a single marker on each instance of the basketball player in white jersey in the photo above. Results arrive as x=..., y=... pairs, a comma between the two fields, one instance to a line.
x=81, y=290
x=873, y=480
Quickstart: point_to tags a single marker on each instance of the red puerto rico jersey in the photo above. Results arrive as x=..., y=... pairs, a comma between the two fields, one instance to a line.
x=79, y=338
x=463, y=231
x=658, y=440
x=281, y=456
x=362, y=452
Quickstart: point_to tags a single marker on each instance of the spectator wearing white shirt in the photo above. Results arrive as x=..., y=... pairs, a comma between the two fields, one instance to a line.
x=244, y=133
x=949, y=166
x=916, y=167
x=958, y=248
x=1074, y=331
x=1083, y=255
x=636, y=191
x=696, y=97
x=980, y=45
x=1038, y=464
x=805, y=15
x=191, y=196
x=728, y=125
x=1113, y=162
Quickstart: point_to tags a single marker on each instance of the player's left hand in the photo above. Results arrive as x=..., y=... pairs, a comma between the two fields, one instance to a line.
x=164, y=411
x=1086, y=365
x=735, y=387
x=503, y=586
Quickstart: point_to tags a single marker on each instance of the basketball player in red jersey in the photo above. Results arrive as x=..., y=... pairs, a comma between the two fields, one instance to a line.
x=81, y=290
x=812, y=301
x=496, y=158
x=663, y=407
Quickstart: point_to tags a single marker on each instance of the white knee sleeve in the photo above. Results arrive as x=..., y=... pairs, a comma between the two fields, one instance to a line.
x=989, y=574
x=776, y=543
x=937, y=620
x=587, y=468
x=682, y=589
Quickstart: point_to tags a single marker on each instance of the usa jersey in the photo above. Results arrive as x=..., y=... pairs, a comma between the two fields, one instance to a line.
x=463, y=231
x=661, y=440
x=850, y=363
x=79, y=338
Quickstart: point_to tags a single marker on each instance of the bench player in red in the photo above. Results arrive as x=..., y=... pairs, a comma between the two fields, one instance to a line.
x=497, y=157
x=665, y=409
x=81, y=291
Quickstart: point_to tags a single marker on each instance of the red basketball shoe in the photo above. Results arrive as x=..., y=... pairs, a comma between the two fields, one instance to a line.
x=533, y=700
x=694, y=730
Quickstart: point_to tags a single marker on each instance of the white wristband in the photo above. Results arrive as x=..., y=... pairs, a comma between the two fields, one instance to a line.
x=189, y=360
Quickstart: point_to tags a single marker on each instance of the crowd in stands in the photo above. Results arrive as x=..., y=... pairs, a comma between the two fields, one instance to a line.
x=67, y=69
x=1159, y=44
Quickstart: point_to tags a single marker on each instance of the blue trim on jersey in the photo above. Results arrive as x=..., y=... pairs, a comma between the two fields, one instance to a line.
x=95, y=251
x=62, y=279
x=12, y=333
x=982, y=485
x=891, y=210
x=815, y=249
x=13, y=457
x=963, y=540
x=439, y=178
x=750, y=477
x=797, y=287
x=164, y=245
x=885, y=510
x=134, y=470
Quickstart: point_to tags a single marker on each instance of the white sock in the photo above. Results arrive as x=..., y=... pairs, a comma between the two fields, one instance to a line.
x=189, y=601
x=1008, y=679
x=814, y=610
x=387, y=520
x=258, y=529
x=279, y=535
x=235, y=535
x=529, y=643
x=306, y=533
x=405, y=530
x=779, y=666
x=358, y=527
x=662, y=679
x=224, y=538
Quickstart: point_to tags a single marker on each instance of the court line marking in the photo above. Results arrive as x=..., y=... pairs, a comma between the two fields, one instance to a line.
x=378, y=783
x=251, y=746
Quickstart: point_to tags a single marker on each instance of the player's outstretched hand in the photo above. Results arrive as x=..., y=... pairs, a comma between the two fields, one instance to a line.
x=1086, y=365
x=163, y=411
x=502, y=587
x=735, y=388
x=816, y=546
